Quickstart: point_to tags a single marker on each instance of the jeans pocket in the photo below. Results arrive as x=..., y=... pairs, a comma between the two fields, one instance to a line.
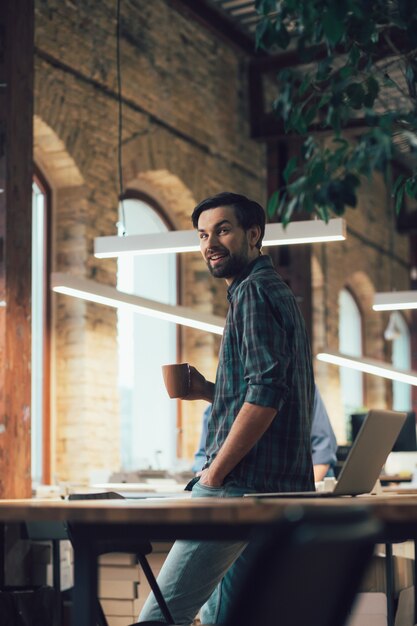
x=201, y=490
x=189, y=486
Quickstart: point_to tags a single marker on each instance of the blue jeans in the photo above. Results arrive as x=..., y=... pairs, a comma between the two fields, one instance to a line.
x=194, y=577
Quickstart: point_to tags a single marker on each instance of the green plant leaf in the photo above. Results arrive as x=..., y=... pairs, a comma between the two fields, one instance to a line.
x=399, y=197
x=289, y=209
x=333, y=27
x=344, y=86
x=282, y=37
x=289, y=169
x=272, y=206
x=354, y=56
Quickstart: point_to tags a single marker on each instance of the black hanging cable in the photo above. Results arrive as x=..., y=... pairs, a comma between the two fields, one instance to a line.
x=120, y=118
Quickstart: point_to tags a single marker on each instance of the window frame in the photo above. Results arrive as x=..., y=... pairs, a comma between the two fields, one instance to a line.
x=356, y=301
x=42, y=183
x=136, y=194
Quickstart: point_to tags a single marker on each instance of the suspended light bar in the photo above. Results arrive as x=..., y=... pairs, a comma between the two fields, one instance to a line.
x=395, y=300
x=308, y=231
x=93, y=291
x=369, y=366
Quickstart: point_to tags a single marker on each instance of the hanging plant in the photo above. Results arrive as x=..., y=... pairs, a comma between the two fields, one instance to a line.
x=366, y=79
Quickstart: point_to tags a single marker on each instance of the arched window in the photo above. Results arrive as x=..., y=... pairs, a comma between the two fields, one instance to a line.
x=40, y=363
x=350, y=342
x=401, y=359
x=149, y=417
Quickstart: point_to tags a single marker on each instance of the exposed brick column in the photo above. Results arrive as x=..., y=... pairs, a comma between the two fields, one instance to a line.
x=16, y=114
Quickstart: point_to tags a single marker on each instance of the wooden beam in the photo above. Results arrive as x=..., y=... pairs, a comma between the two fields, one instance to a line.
x=264, y=124
x=16, y=145
x=293, y=263
x=269, y=127
x=391, y=44
x=220, y=23
x=256, y=102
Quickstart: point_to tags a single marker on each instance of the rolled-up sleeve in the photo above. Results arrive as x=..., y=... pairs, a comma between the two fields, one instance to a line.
x=264, y=348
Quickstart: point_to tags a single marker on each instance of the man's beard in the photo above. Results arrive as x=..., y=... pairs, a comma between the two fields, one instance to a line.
x=231, y=266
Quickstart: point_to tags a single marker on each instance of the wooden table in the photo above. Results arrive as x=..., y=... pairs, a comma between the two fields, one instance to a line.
x=168, y=519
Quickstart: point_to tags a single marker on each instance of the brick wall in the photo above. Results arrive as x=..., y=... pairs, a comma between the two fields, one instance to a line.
x=373, y=258
x=185, y=136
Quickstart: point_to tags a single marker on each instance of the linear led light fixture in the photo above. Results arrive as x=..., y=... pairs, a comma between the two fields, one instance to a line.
x=306, y=231
x=395, y=300
x=369, y=366
x=93, y=291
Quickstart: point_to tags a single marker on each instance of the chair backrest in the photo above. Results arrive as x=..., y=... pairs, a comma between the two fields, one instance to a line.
x=102, y=495
x=308, y=568
x=41, y=531
x=113, y=542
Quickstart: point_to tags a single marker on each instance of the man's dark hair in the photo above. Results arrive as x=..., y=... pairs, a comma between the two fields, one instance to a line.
x=248, y=212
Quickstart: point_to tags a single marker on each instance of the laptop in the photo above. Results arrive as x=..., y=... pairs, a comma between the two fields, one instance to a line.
x=366, y=458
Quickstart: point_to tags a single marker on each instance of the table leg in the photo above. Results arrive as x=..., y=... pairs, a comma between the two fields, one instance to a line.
x=389, y=573
x=415, y=582
x=85, y=582
x=2, y=555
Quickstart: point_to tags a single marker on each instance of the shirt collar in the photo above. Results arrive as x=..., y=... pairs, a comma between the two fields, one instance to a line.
x=259, y=263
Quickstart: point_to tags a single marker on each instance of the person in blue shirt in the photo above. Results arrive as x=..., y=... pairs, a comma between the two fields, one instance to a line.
x=323, y=441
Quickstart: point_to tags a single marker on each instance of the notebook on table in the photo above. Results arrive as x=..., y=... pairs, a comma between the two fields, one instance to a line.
x=366, y=458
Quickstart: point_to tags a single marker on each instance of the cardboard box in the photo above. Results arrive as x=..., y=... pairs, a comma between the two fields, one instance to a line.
x=119, y=621
x=118, y=589
x=403, y=548
x=119, y=572
x=369, y=609
x=121, y=608
x=375, y=579
x=117, y=558
x=405, y=609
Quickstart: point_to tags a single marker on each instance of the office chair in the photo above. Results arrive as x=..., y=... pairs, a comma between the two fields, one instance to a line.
x=305, y=569
x=57, y=531
x=115, y=544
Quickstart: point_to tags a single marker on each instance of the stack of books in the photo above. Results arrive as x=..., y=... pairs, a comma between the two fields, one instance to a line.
x=123, y=588
x=118, y=588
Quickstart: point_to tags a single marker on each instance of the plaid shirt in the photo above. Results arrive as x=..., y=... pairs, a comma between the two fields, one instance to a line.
x=265, y=360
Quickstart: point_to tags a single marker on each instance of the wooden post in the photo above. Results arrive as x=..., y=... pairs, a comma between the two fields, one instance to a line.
x=16, y=170
x=413, y=325
x=292, y=262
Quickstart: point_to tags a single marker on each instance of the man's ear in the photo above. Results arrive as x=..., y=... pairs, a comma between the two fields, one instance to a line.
x=253, y=234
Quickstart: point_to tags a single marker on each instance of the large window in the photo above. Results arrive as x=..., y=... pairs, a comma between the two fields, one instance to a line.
x=40, y=420
x=350, y=342
x=401, y=359
x=149, y=417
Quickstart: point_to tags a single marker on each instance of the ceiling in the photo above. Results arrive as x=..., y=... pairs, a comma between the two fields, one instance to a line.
x=242, y=12
x=234, y=20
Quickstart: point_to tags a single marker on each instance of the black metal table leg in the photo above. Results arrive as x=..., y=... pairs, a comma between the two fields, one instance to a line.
x=85, y=581
x=389, y=573
x=2, y=555
x=415, y=582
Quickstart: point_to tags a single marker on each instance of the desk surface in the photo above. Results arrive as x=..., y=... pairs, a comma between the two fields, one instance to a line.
x=393, y=508
x=174, y=518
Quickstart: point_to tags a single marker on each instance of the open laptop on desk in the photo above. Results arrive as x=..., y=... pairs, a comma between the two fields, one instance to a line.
x=362, y=467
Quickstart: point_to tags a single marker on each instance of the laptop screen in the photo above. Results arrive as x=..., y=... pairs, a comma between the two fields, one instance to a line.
x=369, y=452
x=406, y=440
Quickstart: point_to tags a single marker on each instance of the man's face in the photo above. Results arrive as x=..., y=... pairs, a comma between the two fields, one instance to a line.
x=225, y=246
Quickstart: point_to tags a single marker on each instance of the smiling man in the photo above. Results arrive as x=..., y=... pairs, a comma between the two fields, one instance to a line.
x=259, y=429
